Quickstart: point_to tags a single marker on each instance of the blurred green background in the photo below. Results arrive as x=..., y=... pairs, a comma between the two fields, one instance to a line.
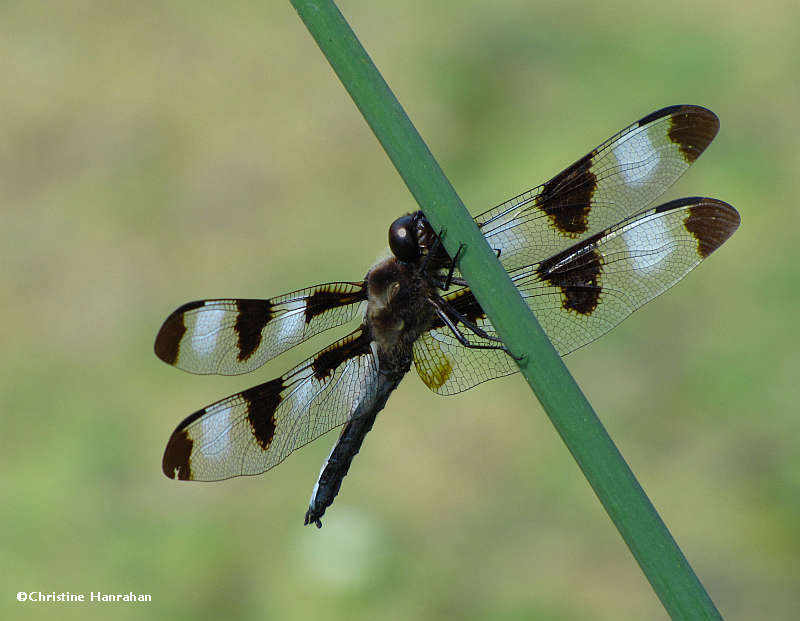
x=153, y=153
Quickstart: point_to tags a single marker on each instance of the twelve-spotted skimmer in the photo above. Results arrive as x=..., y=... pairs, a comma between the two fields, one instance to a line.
x=582, y=250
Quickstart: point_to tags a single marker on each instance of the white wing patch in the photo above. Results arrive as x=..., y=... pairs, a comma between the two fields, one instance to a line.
x=649, y=242
x=303, y=394
x=293, y=322
x=637, y=158
x=206, y=330
x=216, y=428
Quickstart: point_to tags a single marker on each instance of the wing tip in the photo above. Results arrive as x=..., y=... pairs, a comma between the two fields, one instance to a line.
x=692, y=127
x=703, y=114
x=711, y=222
x=177, y=455
x=168, y=340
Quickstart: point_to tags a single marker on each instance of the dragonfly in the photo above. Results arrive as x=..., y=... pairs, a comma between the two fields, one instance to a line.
x=584, y=249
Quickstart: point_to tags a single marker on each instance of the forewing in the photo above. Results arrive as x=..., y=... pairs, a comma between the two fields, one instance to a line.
x=254, y=430
x=581, y=293
x=619, y=178
x=229, y=337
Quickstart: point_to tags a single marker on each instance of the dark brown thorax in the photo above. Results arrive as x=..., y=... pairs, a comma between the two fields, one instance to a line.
x=399, y=289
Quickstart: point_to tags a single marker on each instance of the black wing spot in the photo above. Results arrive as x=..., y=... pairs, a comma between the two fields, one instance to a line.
x=711, y=223
x=175, y=463
x=330, y=358
x=168, y=341
x=252, y=318
x=580, y=280
x=465, y=303
x=693, y=128
x=262, y=403
x=567, y=197
x=328, y=297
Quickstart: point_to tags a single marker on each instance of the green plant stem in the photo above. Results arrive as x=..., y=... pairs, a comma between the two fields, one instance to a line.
x=655, y=550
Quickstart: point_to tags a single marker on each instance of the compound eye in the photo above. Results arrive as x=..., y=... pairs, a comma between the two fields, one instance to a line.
x=403, y=239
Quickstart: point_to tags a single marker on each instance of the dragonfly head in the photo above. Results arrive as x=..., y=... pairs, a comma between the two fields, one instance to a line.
x=403, y=237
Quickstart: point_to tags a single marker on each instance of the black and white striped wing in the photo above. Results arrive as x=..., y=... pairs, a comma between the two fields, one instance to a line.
x=229, y=337
x=254, y=430
x=619, y=178
x=582, y=292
